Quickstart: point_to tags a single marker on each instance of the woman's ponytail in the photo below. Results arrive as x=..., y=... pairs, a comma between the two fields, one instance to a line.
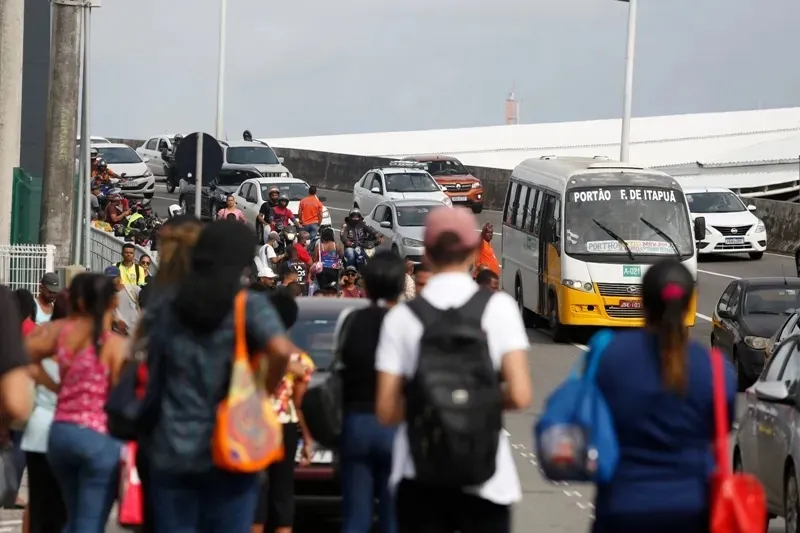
x=672, y=339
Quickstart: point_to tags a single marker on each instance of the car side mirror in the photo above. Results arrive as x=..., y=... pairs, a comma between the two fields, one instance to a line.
x=281, y=160
x=375, y=190
x=772, y=391
x=386, y=224
x=700, y=228
x=322, y=198
x=724, y=313
x=751, y=207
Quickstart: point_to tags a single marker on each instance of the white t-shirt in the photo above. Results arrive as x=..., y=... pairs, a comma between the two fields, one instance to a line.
x=267, y=254
x=398, y=350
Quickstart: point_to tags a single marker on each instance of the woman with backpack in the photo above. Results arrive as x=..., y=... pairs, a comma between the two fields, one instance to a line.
x=191, y=339
x=366, y=448
x=662, y=407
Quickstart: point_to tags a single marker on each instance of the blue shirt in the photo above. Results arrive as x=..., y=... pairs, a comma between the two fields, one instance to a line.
x=665, y=438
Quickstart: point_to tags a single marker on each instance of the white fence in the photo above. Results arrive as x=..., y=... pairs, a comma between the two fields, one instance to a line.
x=106, y=249
x=23, y=265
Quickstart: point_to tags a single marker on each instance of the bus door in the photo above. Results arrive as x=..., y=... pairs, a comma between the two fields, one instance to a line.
x=549, y=250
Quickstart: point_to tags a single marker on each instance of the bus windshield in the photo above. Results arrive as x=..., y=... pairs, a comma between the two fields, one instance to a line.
x=629, y=221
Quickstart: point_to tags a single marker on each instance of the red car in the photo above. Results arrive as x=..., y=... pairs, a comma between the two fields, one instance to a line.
x=462, y=187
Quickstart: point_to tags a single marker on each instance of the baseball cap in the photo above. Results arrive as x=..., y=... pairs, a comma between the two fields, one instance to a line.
x=51, y=282
x=112, y=272
x=266, y=272
x=456, y=220
x=273, y=235
x=351, y=269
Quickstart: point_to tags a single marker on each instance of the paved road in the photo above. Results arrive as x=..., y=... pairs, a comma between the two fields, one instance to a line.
x=547, y=508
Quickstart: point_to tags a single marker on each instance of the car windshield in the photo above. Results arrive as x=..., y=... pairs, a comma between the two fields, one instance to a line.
x=118, y=155
x=714, y=202
x=771, y=300
x=593, y=214
x=410, y=182
x=446, y=168
x=251, y=155
x=316, y=338
x=413, y=216
x=295, y=191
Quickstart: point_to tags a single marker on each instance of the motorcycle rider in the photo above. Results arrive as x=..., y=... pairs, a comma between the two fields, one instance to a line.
x=115, y=210
x=93, y=155
x=281, y=214
x=264, y=218
x=135, y=218
x=355, y=233
x=102, y=173
x=247, y=136
x=168, y=156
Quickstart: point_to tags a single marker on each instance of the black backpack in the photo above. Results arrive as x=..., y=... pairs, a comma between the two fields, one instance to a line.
x=454, y=405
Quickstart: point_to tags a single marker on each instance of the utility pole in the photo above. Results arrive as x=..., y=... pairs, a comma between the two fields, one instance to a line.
x=627, y=98
x=223, y=23
x=58, y=186
x=12, y=13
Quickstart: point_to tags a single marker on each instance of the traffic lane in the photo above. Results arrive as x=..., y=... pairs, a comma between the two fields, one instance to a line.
x=741, y=266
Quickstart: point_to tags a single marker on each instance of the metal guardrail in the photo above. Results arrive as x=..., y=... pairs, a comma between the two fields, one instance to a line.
x=106, y=249
x=23, y=265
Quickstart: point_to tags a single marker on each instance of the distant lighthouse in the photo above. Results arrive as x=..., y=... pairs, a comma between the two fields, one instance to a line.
x=512, y=108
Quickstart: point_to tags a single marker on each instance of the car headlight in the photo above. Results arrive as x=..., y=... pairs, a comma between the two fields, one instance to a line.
x=584, y=286
x=448, y=201
x=756, y=343
x=476, y=185
x=411, y=242
x=284, y=174
x=760, y=228
x=147, y=173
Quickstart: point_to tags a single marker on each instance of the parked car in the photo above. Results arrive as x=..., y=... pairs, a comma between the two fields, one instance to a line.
x=767, y=443
x=256, y=154
x=139, y=180
x=152, y=148
x=747, y=314
x=402, y=223
x=400, y=180
x=255, y=191
x=731, y=226
x=227, y=182
x=318, y=484
x=460, y=185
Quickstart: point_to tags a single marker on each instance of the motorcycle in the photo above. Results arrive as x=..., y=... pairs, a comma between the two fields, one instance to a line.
x=143, y=229
x=364, y=253
x=174, y=210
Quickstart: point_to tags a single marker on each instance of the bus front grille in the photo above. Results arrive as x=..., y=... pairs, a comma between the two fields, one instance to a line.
x=620, y=289
x=615, y=311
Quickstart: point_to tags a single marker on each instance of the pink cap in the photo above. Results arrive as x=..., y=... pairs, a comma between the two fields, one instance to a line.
x=457, y=220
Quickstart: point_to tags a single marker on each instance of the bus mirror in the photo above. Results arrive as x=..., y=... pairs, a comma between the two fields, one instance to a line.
x=700, y=228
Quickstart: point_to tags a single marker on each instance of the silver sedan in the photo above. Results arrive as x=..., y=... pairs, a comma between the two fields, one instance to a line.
x=767, y=443
x=402, y=224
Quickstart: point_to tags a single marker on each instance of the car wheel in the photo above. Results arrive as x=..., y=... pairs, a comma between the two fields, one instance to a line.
x=395, y=250
x=477, y=208
x=560, y=333
x=741, y=378
x=738, y=467
x=213, y=207
x=170, y=187
x=791, y=502
x=756, y=255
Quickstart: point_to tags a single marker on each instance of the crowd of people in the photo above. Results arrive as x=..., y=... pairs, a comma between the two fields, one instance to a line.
x=433, y=461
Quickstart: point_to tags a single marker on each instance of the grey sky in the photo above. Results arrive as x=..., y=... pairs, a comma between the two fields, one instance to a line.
x=314, y=67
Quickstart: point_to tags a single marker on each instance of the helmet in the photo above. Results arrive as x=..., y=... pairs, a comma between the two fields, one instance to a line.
x=247, y=136
x=178, y=138
x=101, y=164
x=283, y=198
x=355, y=212
x=94, y=153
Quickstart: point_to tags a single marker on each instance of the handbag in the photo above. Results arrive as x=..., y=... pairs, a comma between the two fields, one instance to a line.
x=131, y=496
x=322, y=404
x=125, y=403
x=247, y=436
x=738, y=503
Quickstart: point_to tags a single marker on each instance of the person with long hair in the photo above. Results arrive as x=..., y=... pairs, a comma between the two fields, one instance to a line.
x=81, y=453
x=191, y=337
x=326, y=259
x=46, y=511
x=366, y=451
x=663, y=412
x=177, y=237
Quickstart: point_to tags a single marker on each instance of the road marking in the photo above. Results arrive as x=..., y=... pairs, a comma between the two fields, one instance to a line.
x=712, y=273
x=585, y=348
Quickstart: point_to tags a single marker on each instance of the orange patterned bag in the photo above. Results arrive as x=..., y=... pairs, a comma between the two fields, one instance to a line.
x=247, y=436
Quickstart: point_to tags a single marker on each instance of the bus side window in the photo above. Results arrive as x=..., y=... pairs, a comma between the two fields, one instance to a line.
x=511, y=203
x=526, y=198
x=536, y=218
x=557, y=218
x=548, y=219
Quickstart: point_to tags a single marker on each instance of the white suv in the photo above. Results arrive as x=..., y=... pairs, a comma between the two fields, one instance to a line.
x=397, y=181
x=731, y=225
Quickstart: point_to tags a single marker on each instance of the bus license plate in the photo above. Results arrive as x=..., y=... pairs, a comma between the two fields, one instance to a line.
x=320, y=456
x=459, y=199
x=630, y=304
x=734, y=240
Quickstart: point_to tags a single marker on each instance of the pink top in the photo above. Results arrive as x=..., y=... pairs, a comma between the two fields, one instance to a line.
x=84, y=387
x=223, y=213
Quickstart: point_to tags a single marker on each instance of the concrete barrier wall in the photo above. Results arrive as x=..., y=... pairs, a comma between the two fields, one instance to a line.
x=341, y=171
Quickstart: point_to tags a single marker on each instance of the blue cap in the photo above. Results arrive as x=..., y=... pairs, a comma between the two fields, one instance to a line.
x=112, y=272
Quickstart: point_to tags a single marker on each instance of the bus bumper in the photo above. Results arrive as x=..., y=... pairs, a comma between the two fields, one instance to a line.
x=579, y=308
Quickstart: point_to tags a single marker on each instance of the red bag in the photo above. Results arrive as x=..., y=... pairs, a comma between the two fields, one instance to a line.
x=738, y=501
x=131, y=497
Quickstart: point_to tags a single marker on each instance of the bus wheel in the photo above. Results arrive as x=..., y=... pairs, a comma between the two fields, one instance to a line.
x=560, y=333
x=527, y=316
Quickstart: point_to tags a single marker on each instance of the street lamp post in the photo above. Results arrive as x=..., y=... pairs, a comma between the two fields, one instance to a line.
x=223, y=15
x=627, y=99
